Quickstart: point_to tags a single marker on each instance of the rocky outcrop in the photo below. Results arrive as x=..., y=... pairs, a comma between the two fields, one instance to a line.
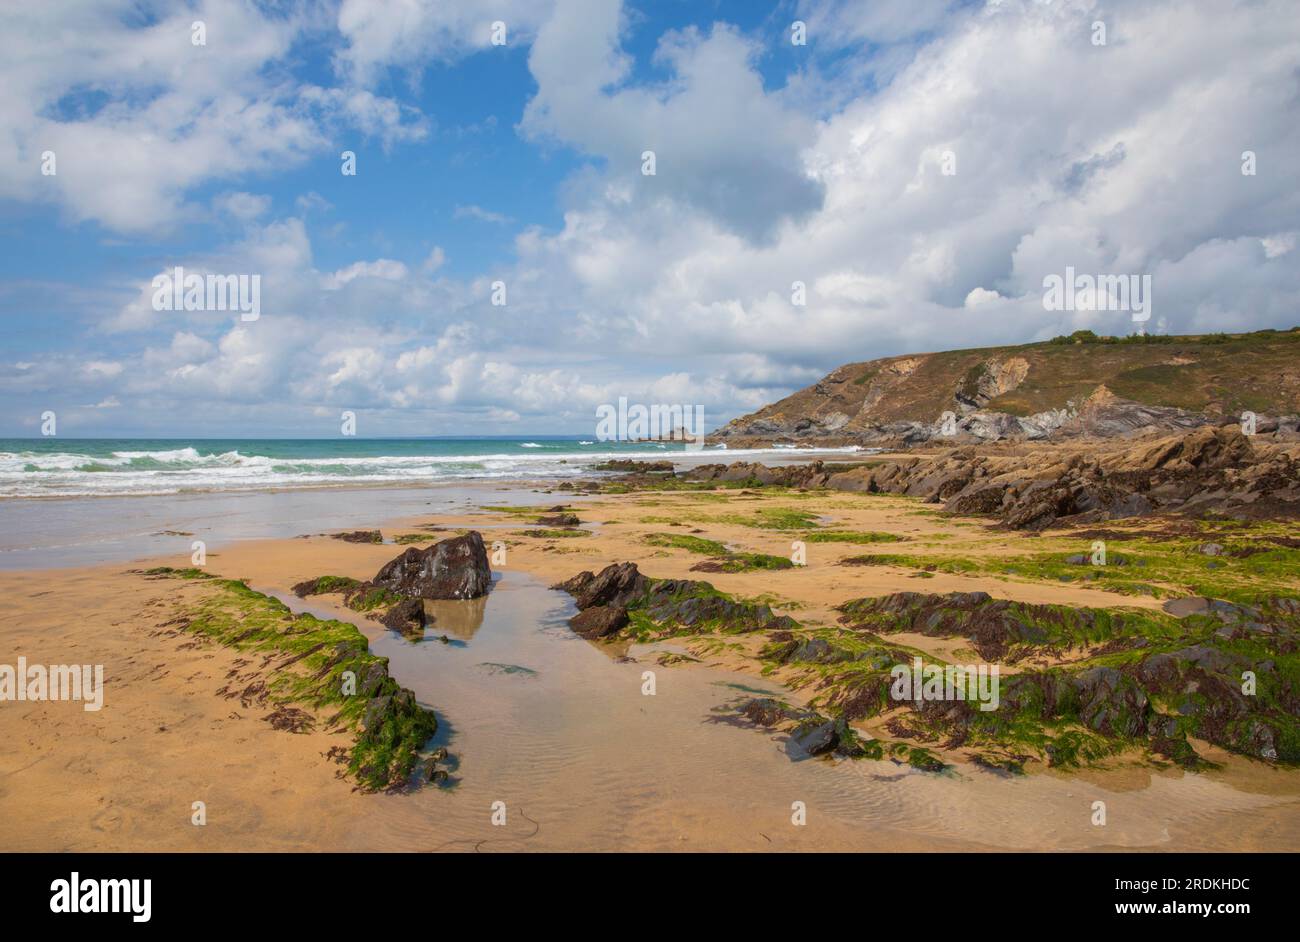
x=450, y=569
x=1209, y=468
x=607, y=601
x=456, y=568
x=630, y=465
x=998, y=629
x=1221, y=672
x=603, y=600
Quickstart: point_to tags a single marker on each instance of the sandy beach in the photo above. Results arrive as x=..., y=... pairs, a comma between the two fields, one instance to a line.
x=555, y=727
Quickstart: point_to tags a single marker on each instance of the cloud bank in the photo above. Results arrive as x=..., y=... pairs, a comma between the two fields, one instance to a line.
x=917, y=168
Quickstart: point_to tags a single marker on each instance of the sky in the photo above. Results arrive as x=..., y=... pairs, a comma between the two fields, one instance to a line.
x=919, y=167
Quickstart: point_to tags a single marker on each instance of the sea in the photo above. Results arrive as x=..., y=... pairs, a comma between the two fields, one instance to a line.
x=105, y=467
x=68, y=502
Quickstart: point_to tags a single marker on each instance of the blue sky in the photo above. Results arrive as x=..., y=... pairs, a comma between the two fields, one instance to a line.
x=520, y=163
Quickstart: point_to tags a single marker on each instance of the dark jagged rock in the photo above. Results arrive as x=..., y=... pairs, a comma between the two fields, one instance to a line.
x=605, y=601
x=1210, y=468
x=616, y=585
x=1111, y=702
x=450, y=569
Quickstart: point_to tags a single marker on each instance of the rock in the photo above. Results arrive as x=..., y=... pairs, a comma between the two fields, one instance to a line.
x=992, y=625
x=617, y=584
x=924, y=761
x=1112, y=702
x=1211, y=549
x=675, y=604
x=456, y=568
x=627, y=464
x=671, y=603
x=815, y=738
x=324, y=585
x=1181, y=608
x=407, y=616
x=376, y=710
x=599, y=621
x=1206, y=468
x=986, y=500
x=360, y=536
x=559, y=520
x=765, y=711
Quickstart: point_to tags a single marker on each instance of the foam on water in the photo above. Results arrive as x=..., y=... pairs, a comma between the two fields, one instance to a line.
x=90, y=468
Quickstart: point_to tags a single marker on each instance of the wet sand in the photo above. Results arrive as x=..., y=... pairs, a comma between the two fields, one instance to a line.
x=556, y=728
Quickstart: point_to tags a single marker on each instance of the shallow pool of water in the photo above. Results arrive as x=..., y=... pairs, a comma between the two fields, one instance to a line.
x=559, y=732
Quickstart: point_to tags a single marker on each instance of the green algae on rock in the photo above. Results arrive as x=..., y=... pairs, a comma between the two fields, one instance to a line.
x=621, y=599
x=324, y=665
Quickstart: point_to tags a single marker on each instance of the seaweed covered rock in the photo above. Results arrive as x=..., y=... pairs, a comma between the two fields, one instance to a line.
x=1111, y=702
x=1221, y=672
x=632, y=466
x=359, y=536
x=321, y=667
x=811, y=734
x=456, y=568
x=816, y=737
x=610, y=600
x=324, y=585
x=767, y=711
x=1238, y=697
x=698, y=607
x=997, y=628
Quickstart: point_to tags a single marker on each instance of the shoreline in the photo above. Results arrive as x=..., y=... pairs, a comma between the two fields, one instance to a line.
x=473, y=725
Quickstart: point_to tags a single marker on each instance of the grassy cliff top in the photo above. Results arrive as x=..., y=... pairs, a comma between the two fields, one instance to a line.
x=1214, y=373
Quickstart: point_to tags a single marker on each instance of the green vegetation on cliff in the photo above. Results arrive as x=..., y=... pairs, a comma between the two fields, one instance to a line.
x=1219, y=374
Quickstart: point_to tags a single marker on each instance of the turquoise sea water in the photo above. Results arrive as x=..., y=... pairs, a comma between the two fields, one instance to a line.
x=102, y=467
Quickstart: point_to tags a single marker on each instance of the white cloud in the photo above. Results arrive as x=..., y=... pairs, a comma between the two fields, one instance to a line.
x=385, y=268
x=1118, y=159
x=721, y=145
x=243, y=207
x=411, y=34
x=980, y=296
x=138, y=117
x=481, y=214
